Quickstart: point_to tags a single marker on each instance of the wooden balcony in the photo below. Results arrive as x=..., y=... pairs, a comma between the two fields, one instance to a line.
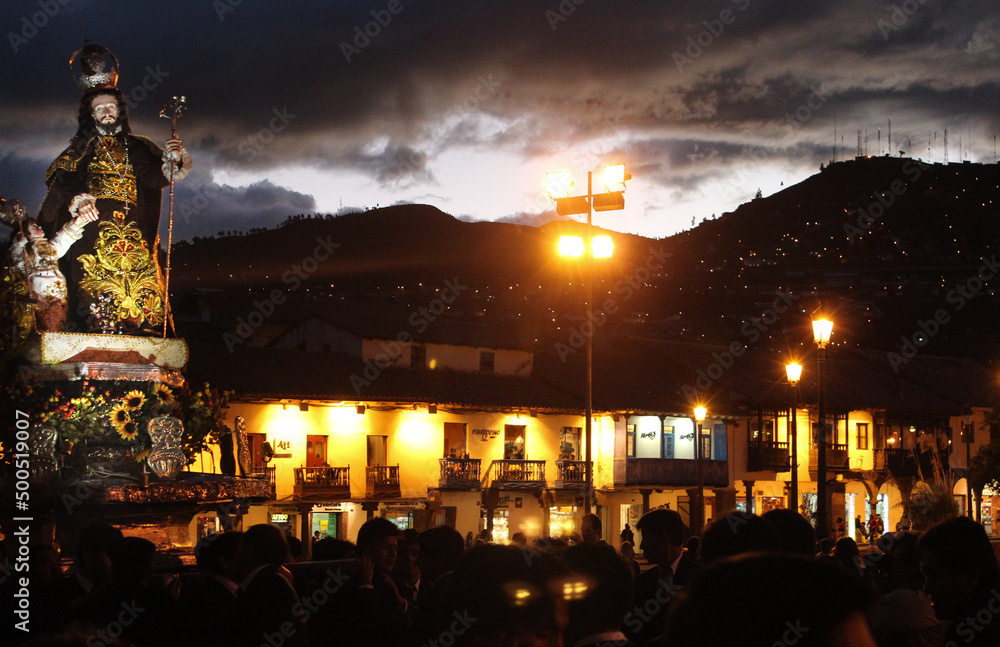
x=571, y=475
x=326, y=483
x=766, y=455
x=511, y=474
x=837, y=458
x=669, y=472
x=901, y=462
x=382, y=481
x=459, y=473
x=265, y=474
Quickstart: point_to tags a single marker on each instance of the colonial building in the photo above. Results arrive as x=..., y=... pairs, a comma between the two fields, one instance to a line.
x=465, y=425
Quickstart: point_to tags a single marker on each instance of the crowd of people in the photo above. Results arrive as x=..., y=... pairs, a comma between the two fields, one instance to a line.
x=746, y=580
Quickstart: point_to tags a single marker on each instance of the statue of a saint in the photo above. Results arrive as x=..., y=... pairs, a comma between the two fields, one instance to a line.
x=113, y=271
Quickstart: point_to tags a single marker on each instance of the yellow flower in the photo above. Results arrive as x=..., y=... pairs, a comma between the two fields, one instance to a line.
x=164, y=395
x=141, y=456
x=128, y=431
x=120, y=416
x=134, y=399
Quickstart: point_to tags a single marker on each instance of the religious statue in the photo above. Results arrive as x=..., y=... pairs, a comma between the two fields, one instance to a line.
x=111, y=175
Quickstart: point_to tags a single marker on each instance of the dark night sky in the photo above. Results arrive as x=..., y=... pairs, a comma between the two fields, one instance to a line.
x=464, y=104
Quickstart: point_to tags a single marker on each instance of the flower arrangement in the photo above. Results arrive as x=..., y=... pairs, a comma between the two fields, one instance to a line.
x=115, y=413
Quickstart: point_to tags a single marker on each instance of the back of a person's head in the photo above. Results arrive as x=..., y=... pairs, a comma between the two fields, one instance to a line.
x=331, y=548
x=507, y=589
x=826, y=545
x=797, y=534
x=764, y=599
x=96, y=537
x=267, y=544
x=295, y=548
x=442, y=544
x=375, y=530
x=960, y=544
x=736, y=533
x=606, y=584
x=846, y=547
x=212, y=550
x=132, y=560
x=666, y=521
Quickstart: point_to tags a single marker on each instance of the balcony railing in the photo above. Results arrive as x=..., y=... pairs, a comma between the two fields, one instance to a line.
x=382, y=481
x=511, y=474
x=672, y=472
x=459, y=473
x=265, y=474
x=767, y=455
x=323, y=482
x=571, y=475
x=837, y=457
x=902, y=462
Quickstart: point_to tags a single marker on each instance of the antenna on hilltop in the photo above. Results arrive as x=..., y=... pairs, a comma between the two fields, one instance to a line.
x=835, y=139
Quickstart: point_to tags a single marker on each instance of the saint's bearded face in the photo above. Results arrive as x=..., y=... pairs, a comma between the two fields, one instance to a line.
x=104, y=109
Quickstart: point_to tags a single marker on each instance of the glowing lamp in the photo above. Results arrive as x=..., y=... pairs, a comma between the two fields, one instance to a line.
x=571, y=246
x=602, y=246
x=822, y=329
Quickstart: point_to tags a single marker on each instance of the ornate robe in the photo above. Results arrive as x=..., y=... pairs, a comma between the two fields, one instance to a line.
x=113, y=271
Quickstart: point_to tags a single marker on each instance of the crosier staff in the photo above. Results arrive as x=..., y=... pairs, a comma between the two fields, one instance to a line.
x=172, y=111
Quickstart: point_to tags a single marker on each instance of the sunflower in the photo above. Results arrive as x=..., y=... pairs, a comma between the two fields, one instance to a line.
x=164, y=395
x=120, y=416
x=141, y=456
x=134, y=399
x=128, y=431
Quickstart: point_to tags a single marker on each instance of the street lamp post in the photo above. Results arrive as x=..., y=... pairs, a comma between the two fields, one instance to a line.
x=557, y=185
x=822, y=329
x=794, y=373
x=967, y=430
x=699, y=416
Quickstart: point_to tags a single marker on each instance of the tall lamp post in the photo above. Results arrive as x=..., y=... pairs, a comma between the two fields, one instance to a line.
x=967, y=431
x=822, y=329
x=699, y=416
x=794, y=373
x=557, y=185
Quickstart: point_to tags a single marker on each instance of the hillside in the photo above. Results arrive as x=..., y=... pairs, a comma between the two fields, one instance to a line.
x=883, y=244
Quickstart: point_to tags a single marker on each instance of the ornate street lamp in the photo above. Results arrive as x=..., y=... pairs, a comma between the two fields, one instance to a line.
x=557, y=185
x=794, y=372
x=822, y=329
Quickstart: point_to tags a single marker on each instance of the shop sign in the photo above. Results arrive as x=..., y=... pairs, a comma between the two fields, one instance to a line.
x=486, y=434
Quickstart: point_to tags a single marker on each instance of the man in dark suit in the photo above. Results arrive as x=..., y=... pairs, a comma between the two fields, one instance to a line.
x=663, y=535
